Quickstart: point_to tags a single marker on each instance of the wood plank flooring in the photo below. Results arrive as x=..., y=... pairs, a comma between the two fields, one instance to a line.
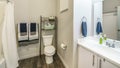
x=36, y=62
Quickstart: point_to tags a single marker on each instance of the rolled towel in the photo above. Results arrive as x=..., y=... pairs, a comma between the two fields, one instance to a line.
x=99, y=28
x=84, y=28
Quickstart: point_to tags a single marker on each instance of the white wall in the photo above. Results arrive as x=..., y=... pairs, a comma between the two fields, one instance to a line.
x=81, y=8
x=30, y=10
x=65, y=34
x=21, y=11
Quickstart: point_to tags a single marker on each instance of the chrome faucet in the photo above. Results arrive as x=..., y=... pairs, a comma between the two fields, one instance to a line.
x=110, y=44
x=113, y=44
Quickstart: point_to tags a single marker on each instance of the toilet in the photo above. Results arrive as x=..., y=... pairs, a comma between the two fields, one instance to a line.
x=49, y=49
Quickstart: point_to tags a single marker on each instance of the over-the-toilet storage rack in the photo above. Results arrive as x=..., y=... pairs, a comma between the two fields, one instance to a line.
x=42, y=30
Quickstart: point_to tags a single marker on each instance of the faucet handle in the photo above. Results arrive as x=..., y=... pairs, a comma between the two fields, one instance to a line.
x=113, y=44
x=108, y=44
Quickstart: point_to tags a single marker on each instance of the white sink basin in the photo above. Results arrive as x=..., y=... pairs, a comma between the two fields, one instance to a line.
x=95, y=41
x=116, y=49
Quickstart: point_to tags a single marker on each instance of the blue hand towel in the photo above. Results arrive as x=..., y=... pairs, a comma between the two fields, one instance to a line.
x=23, y=27
x=99, y=28
x=84, y=29
x=33, y=27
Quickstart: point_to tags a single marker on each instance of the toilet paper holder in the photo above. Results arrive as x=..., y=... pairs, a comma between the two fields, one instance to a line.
x=63, y=46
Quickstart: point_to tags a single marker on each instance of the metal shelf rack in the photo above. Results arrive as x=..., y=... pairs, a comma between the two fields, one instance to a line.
x=42, y=22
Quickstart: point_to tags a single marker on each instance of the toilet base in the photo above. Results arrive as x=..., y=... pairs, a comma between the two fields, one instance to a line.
x=49, y=59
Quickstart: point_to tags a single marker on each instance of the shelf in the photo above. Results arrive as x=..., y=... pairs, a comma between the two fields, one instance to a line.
x=26, y=43
x=46, y=31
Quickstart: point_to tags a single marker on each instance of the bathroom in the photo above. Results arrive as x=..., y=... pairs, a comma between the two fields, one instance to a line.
x=29, y=26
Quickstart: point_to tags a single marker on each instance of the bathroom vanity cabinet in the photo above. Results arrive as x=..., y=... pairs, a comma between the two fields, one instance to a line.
x=103, y=63
x=88, y=59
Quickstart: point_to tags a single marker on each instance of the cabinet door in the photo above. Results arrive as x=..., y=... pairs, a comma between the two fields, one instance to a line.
x=102, y=63
x=86, y=59
x=106, y=64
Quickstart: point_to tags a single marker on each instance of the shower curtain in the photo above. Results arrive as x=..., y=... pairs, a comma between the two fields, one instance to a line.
x=9, y=38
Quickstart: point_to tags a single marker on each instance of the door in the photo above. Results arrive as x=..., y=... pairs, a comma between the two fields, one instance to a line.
x=118, y=19
x=111, y=20
x=86, y=59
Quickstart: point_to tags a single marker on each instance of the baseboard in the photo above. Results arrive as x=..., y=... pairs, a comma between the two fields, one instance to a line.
x=66, y=66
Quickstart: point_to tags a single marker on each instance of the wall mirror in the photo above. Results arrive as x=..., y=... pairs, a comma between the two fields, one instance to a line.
x=111, y=19
x=108, y=11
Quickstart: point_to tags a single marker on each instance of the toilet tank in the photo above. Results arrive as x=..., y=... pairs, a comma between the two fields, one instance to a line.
x=47, y=40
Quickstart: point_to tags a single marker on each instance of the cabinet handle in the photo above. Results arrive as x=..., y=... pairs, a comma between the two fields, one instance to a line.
x=93, y=63
x=100, y=63
x=104, y=60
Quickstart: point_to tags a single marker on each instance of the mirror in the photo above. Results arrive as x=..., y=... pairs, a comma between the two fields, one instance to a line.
x=111, y=22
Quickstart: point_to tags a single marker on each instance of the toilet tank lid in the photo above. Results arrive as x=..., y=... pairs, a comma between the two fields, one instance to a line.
x=49, y=49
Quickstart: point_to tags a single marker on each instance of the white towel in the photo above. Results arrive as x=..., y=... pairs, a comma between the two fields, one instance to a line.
x=22, y=38
x=33, y=37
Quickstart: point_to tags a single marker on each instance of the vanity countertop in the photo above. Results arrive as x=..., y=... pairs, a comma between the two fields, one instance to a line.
x=101, y=50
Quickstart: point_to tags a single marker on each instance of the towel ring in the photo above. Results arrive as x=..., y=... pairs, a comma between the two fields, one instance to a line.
x=84, y=19
x=98, y=20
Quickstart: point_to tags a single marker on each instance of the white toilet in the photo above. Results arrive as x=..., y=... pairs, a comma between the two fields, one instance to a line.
x=49, y=50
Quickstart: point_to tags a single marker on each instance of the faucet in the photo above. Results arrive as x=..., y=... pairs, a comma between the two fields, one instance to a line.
x=113, y=44
x=109, y=44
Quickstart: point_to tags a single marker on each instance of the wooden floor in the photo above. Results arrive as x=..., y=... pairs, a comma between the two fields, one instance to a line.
x=36, y=62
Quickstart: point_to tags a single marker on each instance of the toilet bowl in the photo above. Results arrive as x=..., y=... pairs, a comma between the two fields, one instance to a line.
x=49, y=50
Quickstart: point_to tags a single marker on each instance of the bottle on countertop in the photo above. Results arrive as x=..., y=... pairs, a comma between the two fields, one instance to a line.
x=105, y=38
x=100, y=39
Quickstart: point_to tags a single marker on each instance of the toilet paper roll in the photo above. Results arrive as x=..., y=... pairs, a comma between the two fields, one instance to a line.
x=63, y=46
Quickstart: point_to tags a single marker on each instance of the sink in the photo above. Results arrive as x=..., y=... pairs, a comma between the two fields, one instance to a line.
x=95, y=41
x=116, y=46
x=115, y=42
x=116, y=49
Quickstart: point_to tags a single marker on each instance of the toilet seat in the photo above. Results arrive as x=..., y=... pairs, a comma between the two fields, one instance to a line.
x=49, y=50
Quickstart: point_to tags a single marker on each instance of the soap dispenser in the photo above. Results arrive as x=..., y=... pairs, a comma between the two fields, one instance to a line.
x=105, y=38
x=101, y=39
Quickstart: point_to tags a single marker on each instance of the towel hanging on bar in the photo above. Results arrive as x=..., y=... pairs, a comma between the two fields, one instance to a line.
x=99, y=27
x=84, y=26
